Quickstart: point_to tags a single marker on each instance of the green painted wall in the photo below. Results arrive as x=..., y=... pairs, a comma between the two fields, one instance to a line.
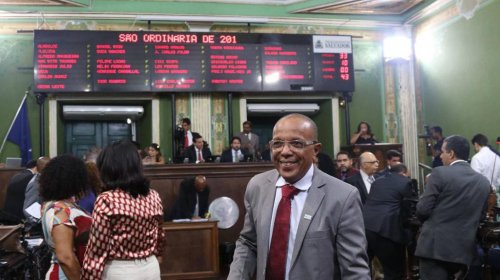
x=368, y=98
x=460, y=81
x=166, y=126
x=16, y=52
x=235, y=110
x=324, y=122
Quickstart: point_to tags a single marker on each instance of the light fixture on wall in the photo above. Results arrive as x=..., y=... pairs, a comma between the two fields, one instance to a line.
x=214, y=19
x=273, y=108
x=397, y=47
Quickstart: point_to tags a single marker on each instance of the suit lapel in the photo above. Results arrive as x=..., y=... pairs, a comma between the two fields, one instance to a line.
x=266, y=212
x=362, y=183
x=313, y=201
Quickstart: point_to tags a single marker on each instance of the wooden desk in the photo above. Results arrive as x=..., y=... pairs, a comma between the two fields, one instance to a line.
x=224, y=179
x=191, y=251
x=5, y=175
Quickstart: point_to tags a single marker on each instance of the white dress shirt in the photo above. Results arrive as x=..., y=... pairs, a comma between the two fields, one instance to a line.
x=487, y=163
x=190, y=137
x=298, y=202
x=237, y=155
x=198, y=152
x=366, y=180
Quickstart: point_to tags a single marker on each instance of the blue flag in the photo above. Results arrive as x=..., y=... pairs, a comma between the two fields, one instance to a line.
x=19, y=133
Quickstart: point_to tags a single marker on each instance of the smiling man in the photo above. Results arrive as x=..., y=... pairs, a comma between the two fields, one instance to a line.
x=300, y=223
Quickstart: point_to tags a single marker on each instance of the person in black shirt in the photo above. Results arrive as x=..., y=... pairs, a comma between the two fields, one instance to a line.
x=363, y=135
x=437, y=135
x=192, y=202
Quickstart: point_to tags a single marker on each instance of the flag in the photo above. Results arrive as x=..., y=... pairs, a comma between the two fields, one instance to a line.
x=19, y=132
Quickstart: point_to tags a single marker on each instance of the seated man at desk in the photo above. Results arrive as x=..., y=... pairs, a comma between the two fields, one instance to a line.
x=192, y=202
x=198, y=152
x=235, y=153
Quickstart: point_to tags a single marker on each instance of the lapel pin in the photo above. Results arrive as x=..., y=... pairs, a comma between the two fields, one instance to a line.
x=307, y=216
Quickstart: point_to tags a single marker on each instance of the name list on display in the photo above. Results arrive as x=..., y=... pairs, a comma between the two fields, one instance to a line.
x=111, y=61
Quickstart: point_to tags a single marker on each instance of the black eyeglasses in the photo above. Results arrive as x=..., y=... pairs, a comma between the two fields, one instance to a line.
x=293, y=144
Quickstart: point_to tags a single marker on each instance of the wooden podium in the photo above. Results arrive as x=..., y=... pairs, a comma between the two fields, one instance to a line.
x=191, y=251
x=378, y=150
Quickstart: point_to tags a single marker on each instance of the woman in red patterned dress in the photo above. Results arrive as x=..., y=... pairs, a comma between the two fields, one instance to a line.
x=126, y=235
x=65, y=225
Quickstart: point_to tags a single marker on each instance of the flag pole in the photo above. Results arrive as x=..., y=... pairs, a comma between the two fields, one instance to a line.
x=12, y=123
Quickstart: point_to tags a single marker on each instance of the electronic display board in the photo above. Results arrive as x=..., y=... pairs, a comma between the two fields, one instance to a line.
x=147, y=61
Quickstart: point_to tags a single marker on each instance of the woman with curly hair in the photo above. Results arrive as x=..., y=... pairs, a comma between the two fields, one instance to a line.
x=126, y=233
x=65, y=225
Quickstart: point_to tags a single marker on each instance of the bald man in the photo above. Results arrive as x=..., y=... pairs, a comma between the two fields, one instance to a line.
x=192, y=202
x=300, y=223
x=364, y=179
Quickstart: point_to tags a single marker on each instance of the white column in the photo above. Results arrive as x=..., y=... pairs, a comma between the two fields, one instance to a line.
x=408, y=115
x=202, y=115
x=155, y=123
x=335, y=125
x=243, y=113
x=52, y=127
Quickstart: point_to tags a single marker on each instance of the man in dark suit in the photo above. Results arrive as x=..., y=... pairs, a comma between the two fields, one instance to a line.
x=392, y=157
x=364, y=179
x=14, y=198
x=234, y=153
x=192, y=202
x=199, y=152
x=436, y=135
x=300, y=223
x=383, y=220
x=184, y=137
x=249, y=140
x=450, y=208
x=344, y=166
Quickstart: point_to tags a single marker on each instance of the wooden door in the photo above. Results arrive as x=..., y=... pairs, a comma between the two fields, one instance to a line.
x=81, y=136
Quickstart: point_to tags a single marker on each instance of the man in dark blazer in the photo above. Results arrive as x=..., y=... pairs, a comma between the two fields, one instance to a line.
x=450, y=208
x=364, y=179
x=184, y=138
x=249, y=140
x=234, y=153
x=192, y=201
x=199, y=152
x=392, y=157
x=319, y=234
x=384, y=220
x=16, y=188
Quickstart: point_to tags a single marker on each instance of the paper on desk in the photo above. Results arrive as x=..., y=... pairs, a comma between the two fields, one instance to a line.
x=199, y=220
x=181, y=220
x=188, y=220
x=34, y=210
x=34, y=242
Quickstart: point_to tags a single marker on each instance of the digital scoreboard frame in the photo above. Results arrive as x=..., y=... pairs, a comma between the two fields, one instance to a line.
x=147, y=61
